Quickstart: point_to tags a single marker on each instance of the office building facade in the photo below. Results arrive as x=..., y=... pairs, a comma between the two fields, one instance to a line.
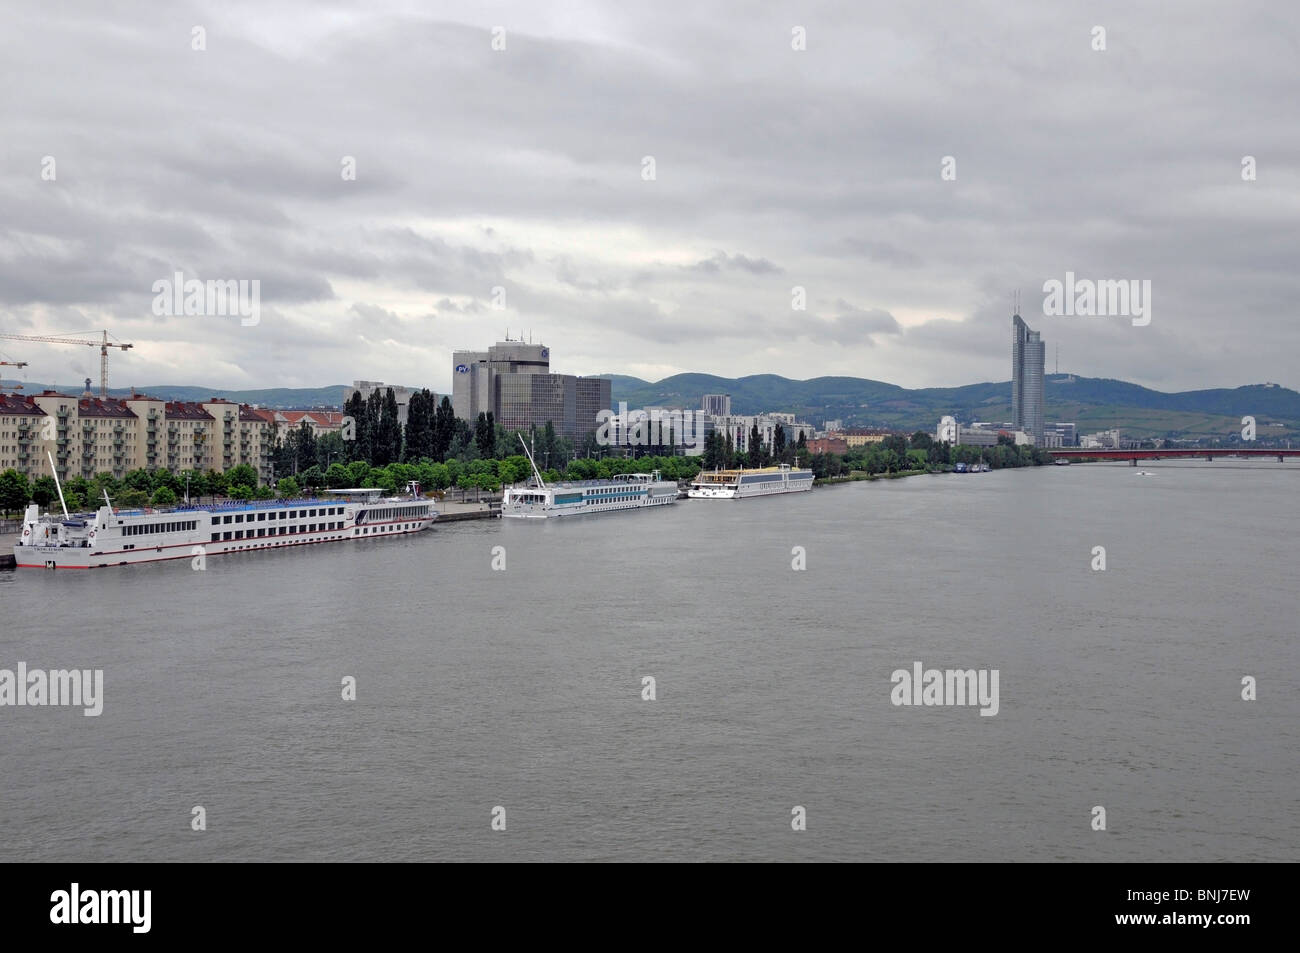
x=716, y=405
x=512, y=381
x=1027, y=360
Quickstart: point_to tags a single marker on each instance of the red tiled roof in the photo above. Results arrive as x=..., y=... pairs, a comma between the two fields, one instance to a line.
x=249, y=414
x=18, y=404
x=103, y=407
x=319, y=418
x=186, y=410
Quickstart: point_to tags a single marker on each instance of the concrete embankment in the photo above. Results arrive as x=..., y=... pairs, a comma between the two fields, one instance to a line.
x=453, y=512
x=7, y=560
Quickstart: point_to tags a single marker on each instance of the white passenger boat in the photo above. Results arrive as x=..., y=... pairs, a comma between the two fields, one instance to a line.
x=742, y=484
x=118, y=537
x=626, y=491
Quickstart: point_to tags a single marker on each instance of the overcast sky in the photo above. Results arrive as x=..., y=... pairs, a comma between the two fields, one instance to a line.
x=523, y=169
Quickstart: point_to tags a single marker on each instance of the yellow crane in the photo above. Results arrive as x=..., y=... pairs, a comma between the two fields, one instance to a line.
x=103, y=344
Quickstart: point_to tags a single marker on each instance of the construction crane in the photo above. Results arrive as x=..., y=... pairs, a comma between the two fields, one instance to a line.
x=103, y=344
x=17, y=386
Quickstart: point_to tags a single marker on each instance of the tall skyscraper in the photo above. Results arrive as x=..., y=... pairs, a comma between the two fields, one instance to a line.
x=1028, y=354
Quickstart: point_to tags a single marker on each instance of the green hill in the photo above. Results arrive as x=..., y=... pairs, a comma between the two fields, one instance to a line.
x=1092, y=403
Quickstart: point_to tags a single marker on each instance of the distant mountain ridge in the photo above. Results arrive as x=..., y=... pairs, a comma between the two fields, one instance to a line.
x=1093, y=403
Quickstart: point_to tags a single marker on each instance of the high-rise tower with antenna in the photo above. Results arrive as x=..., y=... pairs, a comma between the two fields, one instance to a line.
x=1027, y=361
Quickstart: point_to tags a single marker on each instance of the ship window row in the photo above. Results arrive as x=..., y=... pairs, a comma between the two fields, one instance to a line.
x=274, y=531
x=398, y=512
x=282, y=514
x=145, y=529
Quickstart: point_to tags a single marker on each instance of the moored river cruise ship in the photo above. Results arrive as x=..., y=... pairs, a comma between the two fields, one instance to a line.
x=742, y=484
x=625, y=491
x=119, y=537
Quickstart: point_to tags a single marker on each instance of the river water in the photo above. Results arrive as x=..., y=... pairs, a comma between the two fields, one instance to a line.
x=478, y=688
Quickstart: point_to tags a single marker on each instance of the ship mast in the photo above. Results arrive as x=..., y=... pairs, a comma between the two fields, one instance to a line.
x=58, y=484
x=536, y=473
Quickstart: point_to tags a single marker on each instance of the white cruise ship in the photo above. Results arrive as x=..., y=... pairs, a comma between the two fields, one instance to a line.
x=626, y=491
x=112, y=537
x=742, y=484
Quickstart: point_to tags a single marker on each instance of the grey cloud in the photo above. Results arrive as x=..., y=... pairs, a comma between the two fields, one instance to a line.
x=522, y=169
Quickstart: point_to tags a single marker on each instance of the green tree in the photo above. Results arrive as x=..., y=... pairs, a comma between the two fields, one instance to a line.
x=462, y=440
x=377, y=446
x=755, y=447
x=358, y=470
x=444, y=429
x=389, y=441
x=197, y=483
x=240, y=492
x=896, y=443
x=164, y=496
x=358, y=448
x=45, y=491
x=549, y=446
x=138, y=480
x=76, y=492
x=241, y=475
x=421, y=421
x=484, y=435
x=105, y=481
x=129, y=498
x=163, y=477
x=15, y=492
x=287, y=488
x=215, y=483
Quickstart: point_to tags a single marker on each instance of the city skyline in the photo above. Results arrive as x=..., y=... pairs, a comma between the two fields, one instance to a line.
x=480, y=202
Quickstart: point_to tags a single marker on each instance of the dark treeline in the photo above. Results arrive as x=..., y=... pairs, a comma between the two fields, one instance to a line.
x=921, y=452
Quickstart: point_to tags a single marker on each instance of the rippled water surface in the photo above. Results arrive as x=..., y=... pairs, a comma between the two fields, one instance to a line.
x=522, y=688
